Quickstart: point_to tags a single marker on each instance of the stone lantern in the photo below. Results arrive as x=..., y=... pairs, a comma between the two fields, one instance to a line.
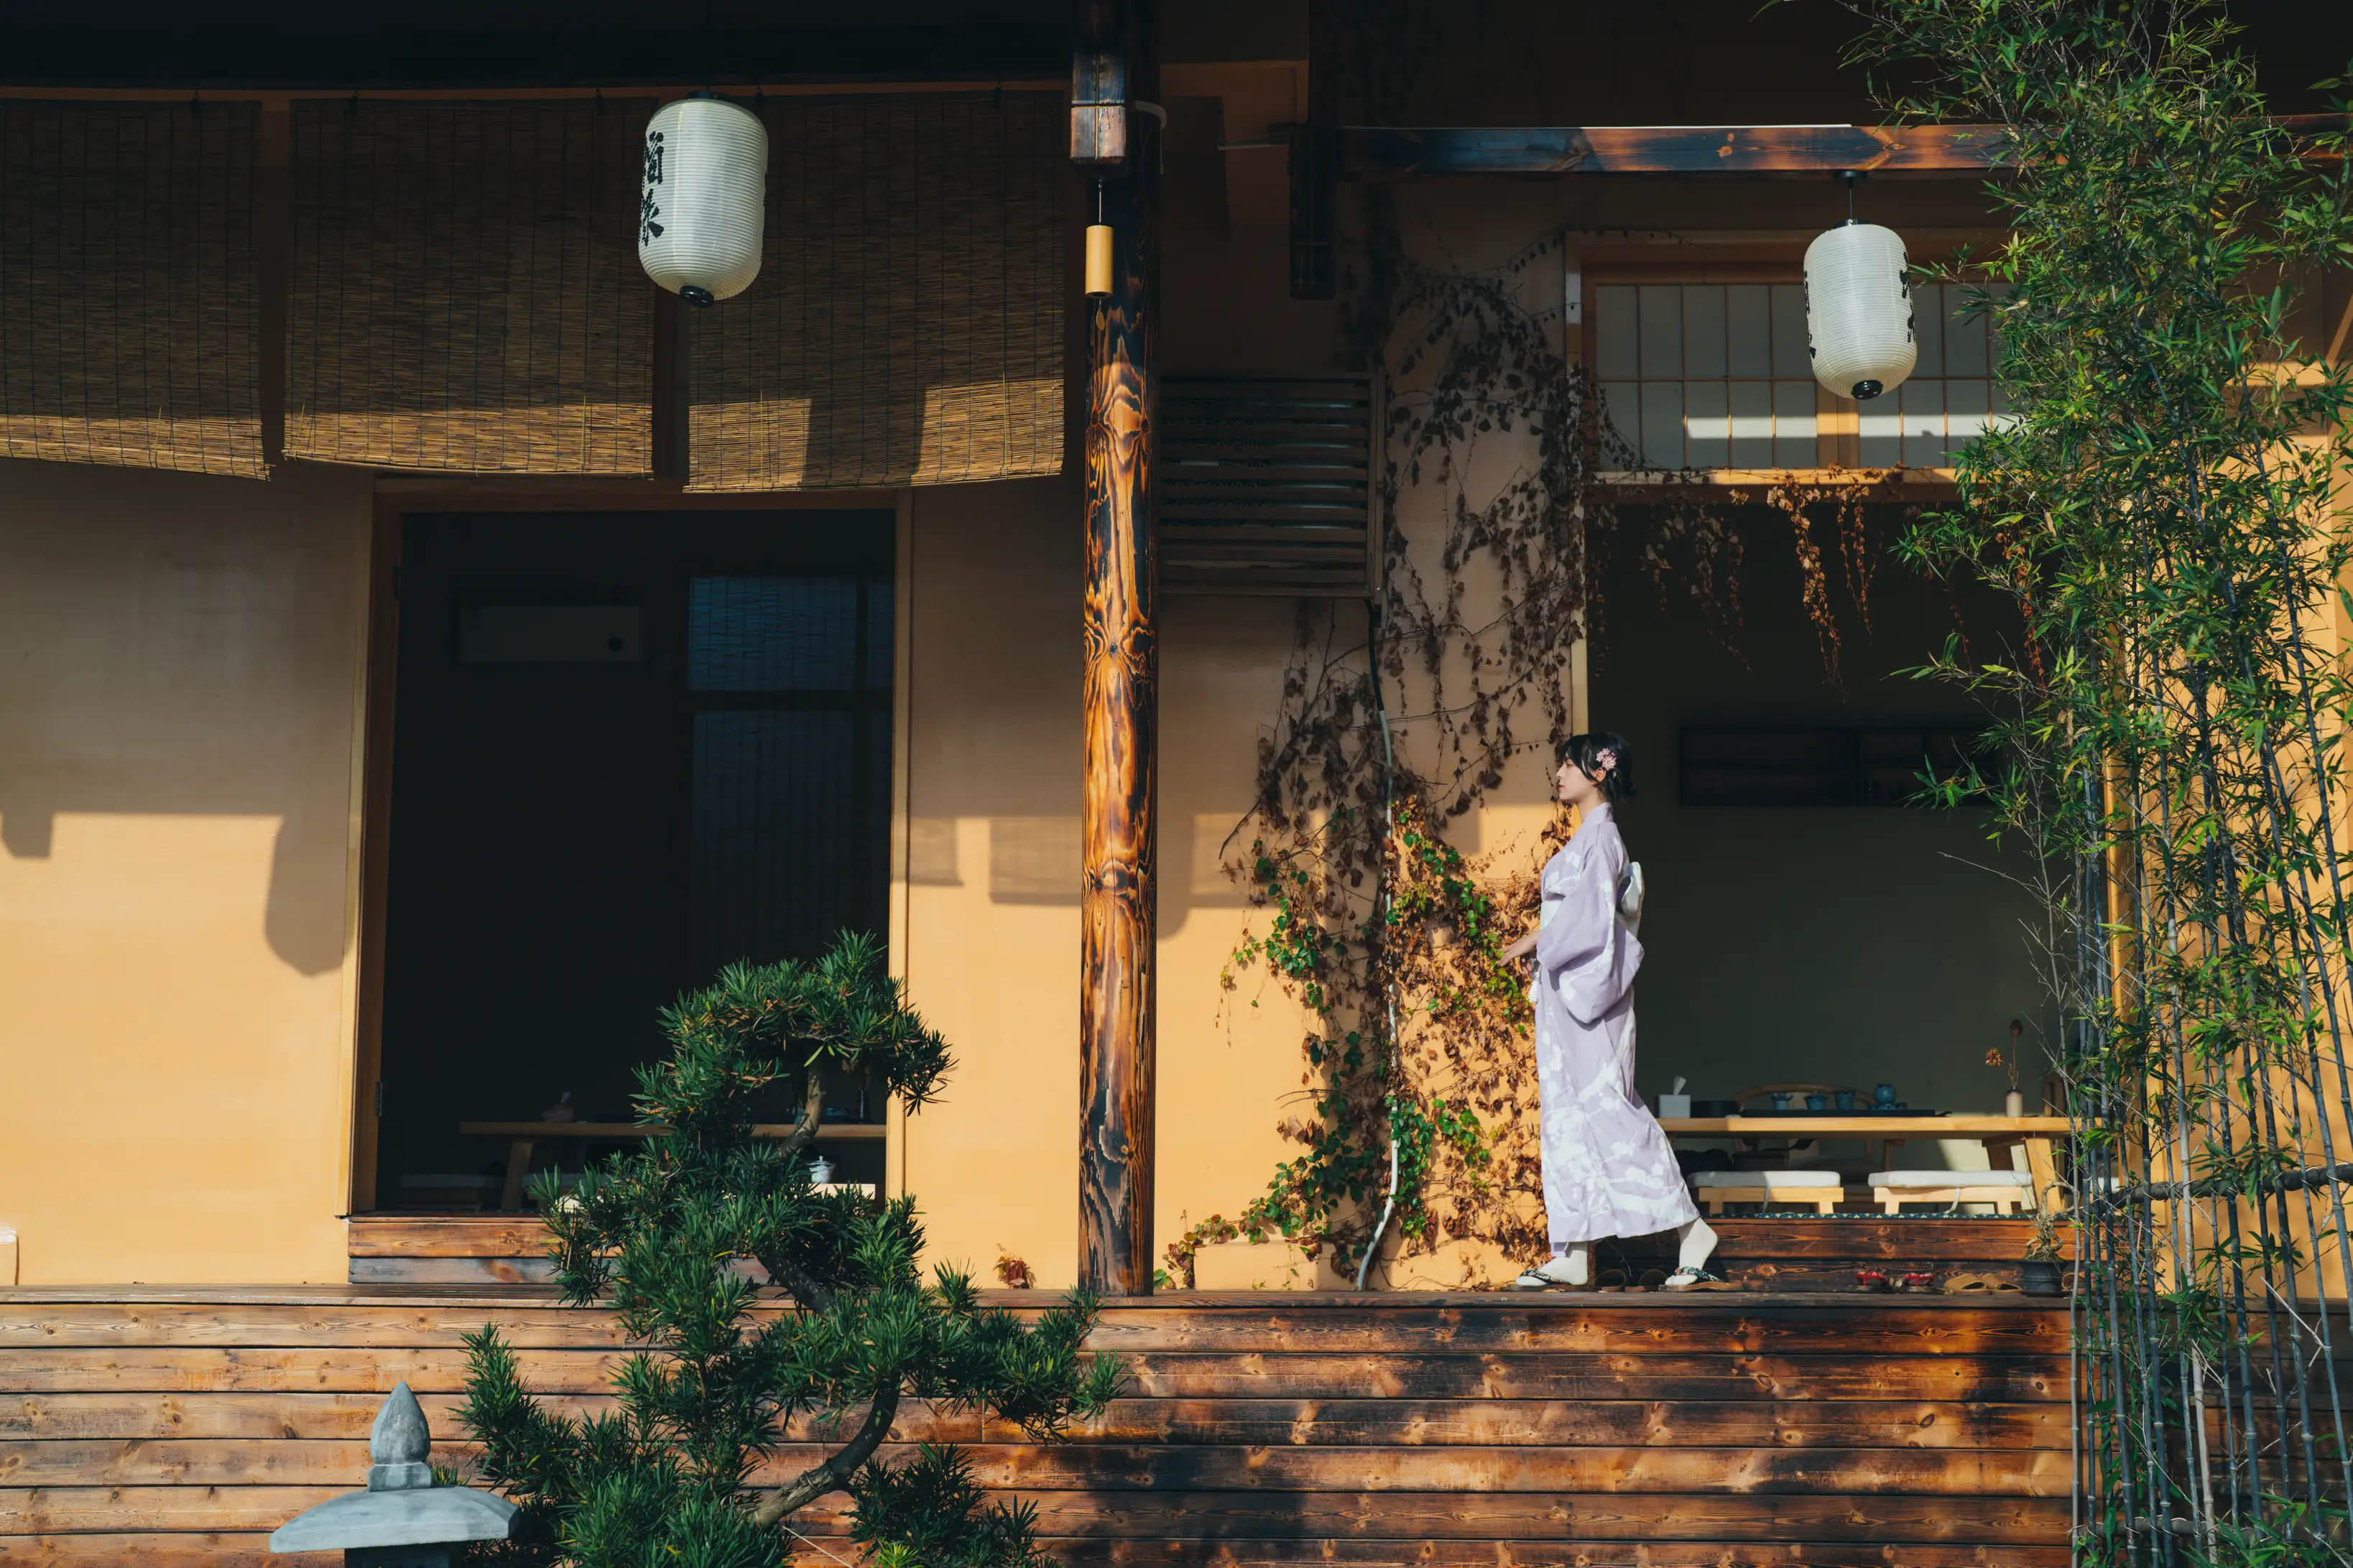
x=402, y=1519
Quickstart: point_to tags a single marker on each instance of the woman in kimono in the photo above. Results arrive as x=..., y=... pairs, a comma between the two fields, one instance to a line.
x=1608, y=1169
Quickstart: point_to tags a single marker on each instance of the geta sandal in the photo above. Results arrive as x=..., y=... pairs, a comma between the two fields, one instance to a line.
x=1698, y=1280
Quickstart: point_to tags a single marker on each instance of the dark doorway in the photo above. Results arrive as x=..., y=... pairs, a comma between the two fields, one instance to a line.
x=628, y=750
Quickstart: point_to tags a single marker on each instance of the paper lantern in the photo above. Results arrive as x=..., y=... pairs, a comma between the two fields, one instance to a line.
x=1859, y=311
x=704, y=198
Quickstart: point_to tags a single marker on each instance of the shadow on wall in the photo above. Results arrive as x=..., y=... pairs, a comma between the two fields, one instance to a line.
x=1038, y=860
x=172, y=645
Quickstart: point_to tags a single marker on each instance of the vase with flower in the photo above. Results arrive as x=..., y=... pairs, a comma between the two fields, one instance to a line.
x=2014, y=1102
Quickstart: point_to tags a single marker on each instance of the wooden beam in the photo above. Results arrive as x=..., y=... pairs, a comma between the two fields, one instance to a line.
x=1372, y=153
x=1384, y=153
x=1314, y=164
x=1121, y=692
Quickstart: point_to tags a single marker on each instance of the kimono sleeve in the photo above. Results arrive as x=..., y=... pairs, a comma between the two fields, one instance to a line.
x=1585, y=952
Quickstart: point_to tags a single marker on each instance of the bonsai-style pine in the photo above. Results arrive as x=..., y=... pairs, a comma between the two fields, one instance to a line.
x=686, y=1471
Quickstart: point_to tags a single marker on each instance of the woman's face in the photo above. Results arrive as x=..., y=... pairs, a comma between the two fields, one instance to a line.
x=1577, y=787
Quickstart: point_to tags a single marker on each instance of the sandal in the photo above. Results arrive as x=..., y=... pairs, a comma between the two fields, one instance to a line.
x=1870, y=1280
x=1967, y=1285
x=1536, y=1279
x=1915, y=1283
x=1698, y=1280
x=1610, y=1282
x=1652, y=1279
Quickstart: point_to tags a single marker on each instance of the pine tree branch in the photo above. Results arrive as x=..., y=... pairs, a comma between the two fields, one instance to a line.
x=797, y=1142
x=834, y=1475
x=807, y=1292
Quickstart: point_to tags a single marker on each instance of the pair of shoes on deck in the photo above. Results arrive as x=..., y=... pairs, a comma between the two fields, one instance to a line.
x=1556, y=1275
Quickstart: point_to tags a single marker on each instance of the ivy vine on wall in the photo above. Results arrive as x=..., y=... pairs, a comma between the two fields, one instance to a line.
x=1398, y=720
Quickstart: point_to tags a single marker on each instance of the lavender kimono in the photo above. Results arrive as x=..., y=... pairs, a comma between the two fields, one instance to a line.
x=1608, y=1169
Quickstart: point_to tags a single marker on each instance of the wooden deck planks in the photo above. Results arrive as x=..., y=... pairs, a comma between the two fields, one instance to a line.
x=1583, y=1325
x=1248, y=1423
x=175, y=1428
x=212, y=1551
x=1767, y=1253
x=1092, y=1468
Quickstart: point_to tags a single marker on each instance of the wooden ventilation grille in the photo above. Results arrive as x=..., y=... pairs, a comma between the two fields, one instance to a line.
x=1266, y=487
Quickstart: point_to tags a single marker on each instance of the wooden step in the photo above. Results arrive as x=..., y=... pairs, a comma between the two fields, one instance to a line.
x=173, y=1427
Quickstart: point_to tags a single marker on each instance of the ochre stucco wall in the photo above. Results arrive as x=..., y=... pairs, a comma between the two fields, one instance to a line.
x=992, y=945
x=178, y=662
x=179, y=699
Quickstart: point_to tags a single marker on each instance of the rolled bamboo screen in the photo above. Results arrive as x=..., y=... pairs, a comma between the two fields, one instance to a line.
x=907, y=324
x=129, y=289
x=465, y=293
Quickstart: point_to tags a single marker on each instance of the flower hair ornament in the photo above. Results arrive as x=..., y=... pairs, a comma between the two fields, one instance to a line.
x=1605, y=759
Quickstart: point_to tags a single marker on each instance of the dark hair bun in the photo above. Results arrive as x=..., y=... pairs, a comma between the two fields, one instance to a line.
x=1602, y=756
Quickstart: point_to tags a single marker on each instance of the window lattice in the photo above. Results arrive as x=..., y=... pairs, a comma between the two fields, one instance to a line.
x=1716, y=375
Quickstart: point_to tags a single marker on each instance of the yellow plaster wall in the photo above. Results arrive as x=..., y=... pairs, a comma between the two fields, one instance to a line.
x=992, y=929
x=178, y=665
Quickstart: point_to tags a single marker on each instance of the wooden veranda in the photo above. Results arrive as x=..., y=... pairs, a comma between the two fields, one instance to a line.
x=173, y=1427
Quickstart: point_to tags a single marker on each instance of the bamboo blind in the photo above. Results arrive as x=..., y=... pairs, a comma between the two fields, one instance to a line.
x=907, y=324
x=129, y=291
x=465, y=293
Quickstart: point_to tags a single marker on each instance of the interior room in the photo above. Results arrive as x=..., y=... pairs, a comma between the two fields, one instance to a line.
x=1808, y=924
x=627, y=750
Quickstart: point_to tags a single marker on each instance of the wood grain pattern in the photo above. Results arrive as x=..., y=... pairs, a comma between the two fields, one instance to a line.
x=1760, y=1248
x=1120, y=697
x=1385, y=153
x=1346, y=1553
x=1243, y=1423
x=174, y=1429
x=1178, y=1468
x=212, y=1551
x=1574, y=1375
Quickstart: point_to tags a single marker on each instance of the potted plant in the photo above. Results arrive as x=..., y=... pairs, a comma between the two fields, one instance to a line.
x=2037, y=1273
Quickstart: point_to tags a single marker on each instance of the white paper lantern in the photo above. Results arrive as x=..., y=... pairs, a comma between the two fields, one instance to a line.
x=1859, y=311
x=704, y=197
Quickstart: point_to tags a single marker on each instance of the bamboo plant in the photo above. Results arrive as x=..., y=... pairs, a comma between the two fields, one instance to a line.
x=2164, y=510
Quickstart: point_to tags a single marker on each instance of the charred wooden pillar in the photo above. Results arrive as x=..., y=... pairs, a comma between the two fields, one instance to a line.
x=1115, y=138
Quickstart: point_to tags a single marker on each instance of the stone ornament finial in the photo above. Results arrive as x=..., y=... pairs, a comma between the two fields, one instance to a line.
x=400, y=1444
x=401, y=1520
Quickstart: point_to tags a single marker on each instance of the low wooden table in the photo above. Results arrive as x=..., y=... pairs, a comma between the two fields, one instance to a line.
x=524, y=1136
x=1999, y=1134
